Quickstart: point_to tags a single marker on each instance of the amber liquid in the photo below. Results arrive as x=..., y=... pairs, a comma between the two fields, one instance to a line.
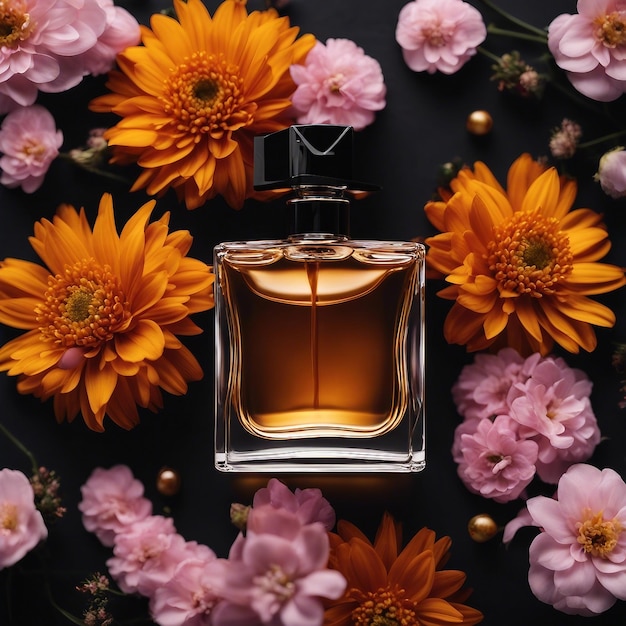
x=318, y=344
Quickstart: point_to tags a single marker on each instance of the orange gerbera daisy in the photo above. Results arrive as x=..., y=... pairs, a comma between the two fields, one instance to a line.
x=193, y=97
x=102, y=317
x=521, y=264
x=390, y=585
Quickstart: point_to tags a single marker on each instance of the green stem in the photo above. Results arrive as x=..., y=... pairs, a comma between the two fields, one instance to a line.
x=93, y=170
x=495, y=30
x=490, y=55
x=515, y=20
x=20, y=446
x=604, y=138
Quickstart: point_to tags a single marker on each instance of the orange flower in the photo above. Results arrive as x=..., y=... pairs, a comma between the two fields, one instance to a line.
x=387, y=585
x=102, y=318
x=195, y=94
x=520, y=263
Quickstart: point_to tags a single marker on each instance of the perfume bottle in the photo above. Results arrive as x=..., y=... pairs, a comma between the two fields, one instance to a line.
x=319, y=338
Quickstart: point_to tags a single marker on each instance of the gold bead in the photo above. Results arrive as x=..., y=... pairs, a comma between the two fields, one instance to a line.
x=482, y=528
x=479, y=122
x=168, y=481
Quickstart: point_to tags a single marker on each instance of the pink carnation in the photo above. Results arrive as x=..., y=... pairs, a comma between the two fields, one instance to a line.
x=338, y=84
x=112, y=501
x=29, y=142
x=21, y=524
x=147, y=553
x=612, y=172
x=591, y=47
x=439, y=35
x=494, y=462
x=578, y=561
x=308, y=504
x=553, y=408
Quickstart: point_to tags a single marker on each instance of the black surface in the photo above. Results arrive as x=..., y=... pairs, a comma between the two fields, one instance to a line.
x=422, y=126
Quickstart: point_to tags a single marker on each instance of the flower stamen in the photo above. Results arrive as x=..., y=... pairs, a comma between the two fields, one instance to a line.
x=15, y=25
x=597, y=536
x=384, y=607
x=83, y=306
x=529, y=255
x=611, y=29
x=8, y=518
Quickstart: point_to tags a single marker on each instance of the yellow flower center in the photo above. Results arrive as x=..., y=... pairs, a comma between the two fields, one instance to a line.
x=83, y=306
x=598, y=536
x=8, y=517
x=611, y=29
x=529, y=254
x=276, y=582
x=385, y=607
x=15, y=24
x=204, y=95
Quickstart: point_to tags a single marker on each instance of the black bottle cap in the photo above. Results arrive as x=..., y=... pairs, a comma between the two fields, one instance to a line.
x=307, y=154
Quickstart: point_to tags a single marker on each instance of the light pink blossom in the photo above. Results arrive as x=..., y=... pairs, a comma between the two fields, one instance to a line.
x=439, y=35
x=591, y=47
x=308, y=504
x=147, y=553
x=189, y=597
x=277, y=573
x=21, y=524
x=120, y=31
x=612, y=172
x=29, y=142
x=112, y=501
x=578, y=561
x=338, y=84
x=50, y=45
x=482, y=387
x=553, y=408
x=494, y=462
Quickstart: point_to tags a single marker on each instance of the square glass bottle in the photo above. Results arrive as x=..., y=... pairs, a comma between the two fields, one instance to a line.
x=319, y=338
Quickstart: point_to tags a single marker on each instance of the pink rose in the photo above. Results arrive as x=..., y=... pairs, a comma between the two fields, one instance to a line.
x=21, y=524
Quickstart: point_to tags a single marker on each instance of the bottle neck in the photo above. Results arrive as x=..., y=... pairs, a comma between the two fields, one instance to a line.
x=319, y=210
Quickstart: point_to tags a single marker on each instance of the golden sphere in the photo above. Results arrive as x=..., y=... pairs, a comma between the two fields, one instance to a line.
x=482, y=528
x=479, y=122
x=168, y=481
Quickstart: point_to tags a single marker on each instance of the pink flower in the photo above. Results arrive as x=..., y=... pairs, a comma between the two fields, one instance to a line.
x=439, y=35
x=494, y=462
x=147, y=553
x=121, y=31
x=277, y=573
x=578, y=561
x=29, y=142
x=112, y=501
x=553, y=408
x=308, y=504
x=21, y=524
x=591, y=47
x=612, y=172
x=338, y=84
x=189, y=597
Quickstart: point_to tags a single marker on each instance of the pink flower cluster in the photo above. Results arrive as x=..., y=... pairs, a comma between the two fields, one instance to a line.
x=276, y=571
x=338, y=84
x=50, y=45
x=591, y=47
x=578, y=560
x=439, y=35
x=522, y=417
x=21, y=525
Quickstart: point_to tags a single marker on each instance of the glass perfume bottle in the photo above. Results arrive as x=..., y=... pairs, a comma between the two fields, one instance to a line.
x=319, y=338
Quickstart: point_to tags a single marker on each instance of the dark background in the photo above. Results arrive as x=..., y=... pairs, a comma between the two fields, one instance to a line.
x=422, y=127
